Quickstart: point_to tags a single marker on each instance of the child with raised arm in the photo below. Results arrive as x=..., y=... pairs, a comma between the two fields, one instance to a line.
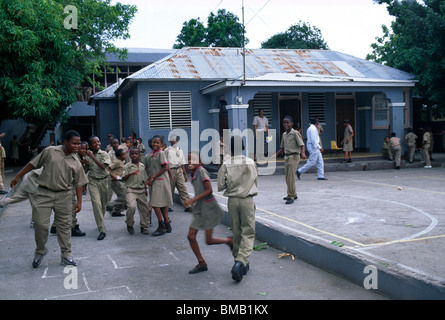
x=207, y=213
x=159, y=183
x=136, y=180
x=116, y=169
x=98, y=185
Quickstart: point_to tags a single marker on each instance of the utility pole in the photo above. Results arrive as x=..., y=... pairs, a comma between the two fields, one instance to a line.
x=244, y=48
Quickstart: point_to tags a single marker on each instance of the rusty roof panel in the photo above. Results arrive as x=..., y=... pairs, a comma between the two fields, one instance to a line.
x=227, y=63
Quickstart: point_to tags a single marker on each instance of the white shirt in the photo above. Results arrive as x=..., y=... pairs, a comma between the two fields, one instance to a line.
x=260, y=123
x=313, y=139
x=175, y=156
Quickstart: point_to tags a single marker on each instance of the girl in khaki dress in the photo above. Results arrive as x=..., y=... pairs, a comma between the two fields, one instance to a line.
x=207, y=213
x=347, y=141
x=159, y=183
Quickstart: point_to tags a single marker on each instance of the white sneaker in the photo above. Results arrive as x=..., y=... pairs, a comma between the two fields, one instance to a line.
x=427, y=167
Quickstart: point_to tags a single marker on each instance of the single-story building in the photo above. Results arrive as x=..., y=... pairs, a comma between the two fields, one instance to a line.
x=195, y=89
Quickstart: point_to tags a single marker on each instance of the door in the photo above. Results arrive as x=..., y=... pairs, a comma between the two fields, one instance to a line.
x=344, y=109
x=290, y=107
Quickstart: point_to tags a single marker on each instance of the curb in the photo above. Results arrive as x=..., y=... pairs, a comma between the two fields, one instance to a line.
x=394, y=280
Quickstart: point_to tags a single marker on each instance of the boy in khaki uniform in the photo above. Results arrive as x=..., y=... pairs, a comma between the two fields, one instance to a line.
x=116, y=169
x=426, y=142
x=238, y=177
x=293, y=147
x=410, y=141
x=136, y=180
x=176, y=160
x=98, y=182
x=61, y=172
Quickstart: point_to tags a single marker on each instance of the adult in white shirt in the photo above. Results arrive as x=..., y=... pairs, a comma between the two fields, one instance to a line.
x=261, y=128
x=315, y=150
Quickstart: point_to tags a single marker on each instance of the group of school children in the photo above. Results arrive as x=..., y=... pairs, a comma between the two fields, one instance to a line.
x=59, y=175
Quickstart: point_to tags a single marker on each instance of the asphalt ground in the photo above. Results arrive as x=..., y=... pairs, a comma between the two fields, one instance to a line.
x=142, y=267
x=333, y=238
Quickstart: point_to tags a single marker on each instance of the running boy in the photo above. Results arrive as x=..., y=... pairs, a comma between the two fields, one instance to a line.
x=98, y=184
x=61, y=173
x=136, y=181
x=207, y=213
x=238, y=177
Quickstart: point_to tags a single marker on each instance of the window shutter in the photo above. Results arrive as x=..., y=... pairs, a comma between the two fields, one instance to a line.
x=170, y=109
x=317, y=106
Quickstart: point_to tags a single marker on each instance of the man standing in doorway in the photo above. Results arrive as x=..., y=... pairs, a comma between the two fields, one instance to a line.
x=315, y=150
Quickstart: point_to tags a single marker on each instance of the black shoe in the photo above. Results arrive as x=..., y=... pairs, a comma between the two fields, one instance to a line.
x=68, y=261
x=298, y=175
x=117, y=214
x=159, y=231
x=168, y=227
x=398, y=168
x=76, y=232
x=246, y=269
x=3, y=192
x=289, y=201
x=187, y=209
x=108, y=208
x=349, y=160
x=53, y=230
x=130, y=229
x=101, y=236
x=322, y=178
x=198, y=269
x=37, y=260
x=238, y=271
x=170, y=210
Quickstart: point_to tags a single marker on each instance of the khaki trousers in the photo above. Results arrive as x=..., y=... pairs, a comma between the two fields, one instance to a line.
x=178, y=181
x=242, y=219
x=411, y=151
x=137, y=198
x=45, y=202
x=120, y=189
x=290, y=168
x=426, y=154
x=396, y=154
x=98, y=193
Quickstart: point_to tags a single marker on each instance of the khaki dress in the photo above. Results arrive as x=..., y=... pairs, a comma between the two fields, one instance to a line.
x=347, y=146
x=207, y=213
x=160, y=190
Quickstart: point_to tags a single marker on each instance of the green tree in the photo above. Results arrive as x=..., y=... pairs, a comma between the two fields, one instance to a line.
x=44, y=62
x=223, y=30
x=415, y=43
x=192, y=34
x=299, y=36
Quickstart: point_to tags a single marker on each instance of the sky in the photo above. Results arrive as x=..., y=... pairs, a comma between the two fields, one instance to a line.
x=348, y=26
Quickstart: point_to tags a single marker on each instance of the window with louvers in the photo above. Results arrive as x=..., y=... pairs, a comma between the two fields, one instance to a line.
x=263, y=101
x=170, y=109
x=317, y=106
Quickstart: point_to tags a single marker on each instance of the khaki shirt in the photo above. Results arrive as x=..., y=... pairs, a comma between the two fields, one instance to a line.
x=175, y=157
x=426, y=138
x=60, y=172
x=117, y=167
x=410, y=138
x=136, y=181
x=291, y=142
x=394, y=141
x=238, y=177
x=112, y=155
x=95, y=171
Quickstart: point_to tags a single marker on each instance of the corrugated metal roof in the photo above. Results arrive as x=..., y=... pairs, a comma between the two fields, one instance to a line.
x=227, y=63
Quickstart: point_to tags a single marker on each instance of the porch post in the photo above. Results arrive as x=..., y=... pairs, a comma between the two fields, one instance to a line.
x=238, y=120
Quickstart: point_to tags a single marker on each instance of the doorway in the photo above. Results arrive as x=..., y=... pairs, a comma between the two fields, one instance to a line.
x=344, y=109
x=290, y=107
